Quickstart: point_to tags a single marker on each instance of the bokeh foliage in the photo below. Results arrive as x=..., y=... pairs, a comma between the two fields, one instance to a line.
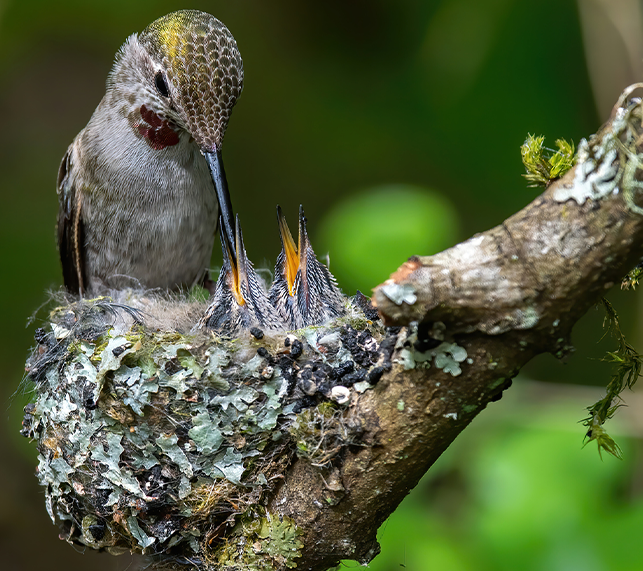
x=514, y=492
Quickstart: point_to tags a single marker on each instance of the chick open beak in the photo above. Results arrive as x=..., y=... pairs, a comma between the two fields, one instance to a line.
x=291, y=252
x=240, y=300
x=304, y=291
x=238, y=263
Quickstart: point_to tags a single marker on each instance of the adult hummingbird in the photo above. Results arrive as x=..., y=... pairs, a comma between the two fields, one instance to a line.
x=142, y=186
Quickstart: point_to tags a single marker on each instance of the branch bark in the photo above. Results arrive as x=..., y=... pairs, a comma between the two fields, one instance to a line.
x=505, y=295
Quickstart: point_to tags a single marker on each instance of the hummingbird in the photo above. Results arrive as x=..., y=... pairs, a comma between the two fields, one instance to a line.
x=142, y=187
x=239, y=301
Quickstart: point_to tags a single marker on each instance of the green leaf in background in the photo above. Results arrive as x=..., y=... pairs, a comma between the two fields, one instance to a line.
x=370, y=234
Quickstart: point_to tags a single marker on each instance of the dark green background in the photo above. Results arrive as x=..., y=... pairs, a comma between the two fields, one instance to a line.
x=430, y=100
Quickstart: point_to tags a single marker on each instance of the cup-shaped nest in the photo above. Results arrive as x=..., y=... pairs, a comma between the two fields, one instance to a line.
x=168, y=441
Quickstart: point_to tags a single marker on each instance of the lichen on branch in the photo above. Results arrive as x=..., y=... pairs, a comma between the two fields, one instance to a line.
x=547, y=264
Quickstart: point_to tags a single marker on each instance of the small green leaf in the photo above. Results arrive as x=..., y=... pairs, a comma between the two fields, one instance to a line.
x=604, y=442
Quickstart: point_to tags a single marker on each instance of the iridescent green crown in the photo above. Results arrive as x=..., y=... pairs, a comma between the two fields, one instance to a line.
x=204, y=70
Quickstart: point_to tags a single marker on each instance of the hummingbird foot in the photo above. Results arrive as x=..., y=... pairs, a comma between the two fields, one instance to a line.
x=304, y=291
x=240, y=301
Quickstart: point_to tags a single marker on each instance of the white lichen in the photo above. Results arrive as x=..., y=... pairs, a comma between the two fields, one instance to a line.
x=362, y=386
x=609, y=164
x=446, y=356
x=340, y=394
x=405, y=358
x=399, y=293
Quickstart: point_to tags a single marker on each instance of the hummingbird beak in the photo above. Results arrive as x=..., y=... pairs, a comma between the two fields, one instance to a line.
x=296, y=257
x=237, y=264
x=291, y=252
x=306, y=255
x=215, y=164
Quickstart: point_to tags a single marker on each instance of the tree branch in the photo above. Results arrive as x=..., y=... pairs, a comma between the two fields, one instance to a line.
x=505, y=295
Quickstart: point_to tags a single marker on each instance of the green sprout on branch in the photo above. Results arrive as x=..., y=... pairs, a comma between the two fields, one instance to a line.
x=545, y=165
x=627, y=363
x=631, y=280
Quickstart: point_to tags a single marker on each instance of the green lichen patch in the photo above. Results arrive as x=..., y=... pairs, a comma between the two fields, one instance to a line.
x=260, y=543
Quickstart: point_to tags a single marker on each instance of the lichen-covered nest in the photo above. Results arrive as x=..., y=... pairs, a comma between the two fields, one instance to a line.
x=158, y=439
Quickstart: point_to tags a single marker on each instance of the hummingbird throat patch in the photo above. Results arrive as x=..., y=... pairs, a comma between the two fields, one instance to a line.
x=156, y=131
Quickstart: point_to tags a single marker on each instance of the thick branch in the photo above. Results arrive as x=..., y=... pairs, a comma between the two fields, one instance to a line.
x=507, y=295
x=541, y=269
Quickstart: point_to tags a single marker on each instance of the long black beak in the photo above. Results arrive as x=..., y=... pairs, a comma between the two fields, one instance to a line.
x=226, y=215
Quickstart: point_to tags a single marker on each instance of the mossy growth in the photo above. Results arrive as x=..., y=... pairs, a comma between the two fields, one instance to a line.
x=261, y=542
x=170, y=442
x=544, y=165
x=631, y=280
x=321, y=432
x=627, y=362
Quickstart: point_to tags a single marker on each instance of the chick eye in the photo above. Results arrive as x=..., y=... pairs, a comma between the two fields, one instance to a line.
x=161, y=84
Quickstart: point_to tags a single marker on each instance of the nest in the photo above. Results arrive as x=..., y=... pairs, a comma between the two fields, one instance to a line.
x=160, y=440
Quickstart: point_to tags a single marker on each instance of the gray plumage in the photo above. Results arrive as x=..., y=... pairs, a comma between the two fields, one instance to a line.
x=240, y=300
x=303, y=293
x=307, y=293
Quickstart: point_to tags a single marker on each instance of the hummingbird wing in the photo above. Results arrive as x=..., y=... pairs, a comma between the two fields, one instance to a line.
x=70, y=227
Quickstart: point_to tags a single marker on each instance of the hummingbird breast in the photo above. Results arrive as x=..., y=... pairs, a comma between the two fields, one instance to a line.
x=149, y=214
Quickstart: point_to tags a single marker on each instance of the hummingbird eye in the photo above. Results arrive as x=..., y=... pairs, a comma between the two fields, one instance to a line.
x=161, y=84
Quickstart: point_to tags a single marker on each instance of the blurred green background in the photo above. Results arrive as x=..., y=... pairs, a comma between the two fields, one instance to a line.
x=397, y=124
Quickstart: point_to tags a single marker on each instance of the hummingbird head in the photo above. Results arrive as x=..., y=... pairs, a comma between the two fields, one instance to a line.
x=196, y=73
